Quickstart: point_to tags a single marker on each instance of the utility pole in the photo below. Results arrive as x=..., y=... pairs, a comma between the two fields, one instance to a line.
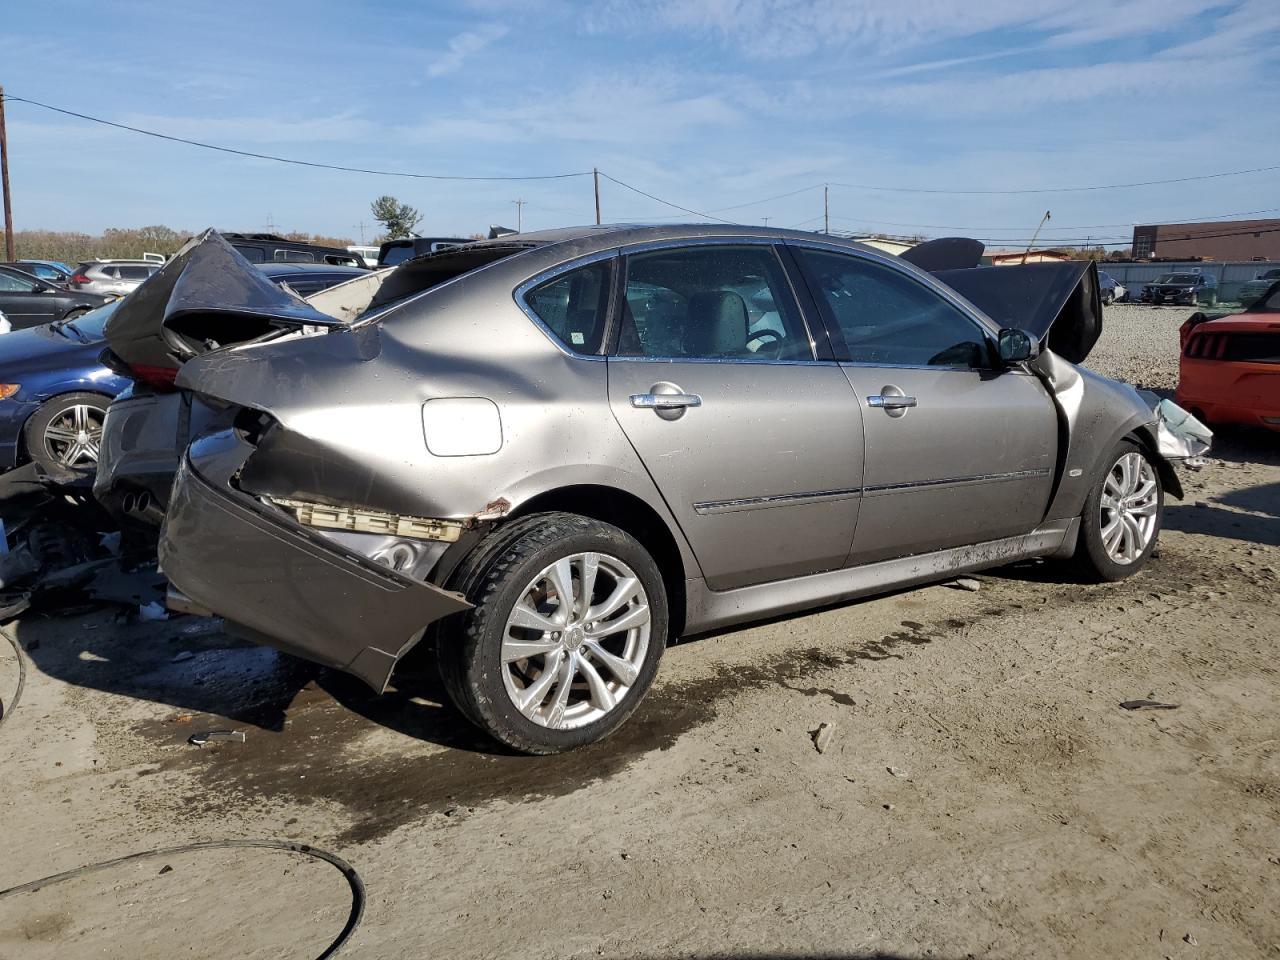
x=4, y=184
x=360, y=226
x=595, y=175
x=766, y=221
x=519, y=214
x=826, y=208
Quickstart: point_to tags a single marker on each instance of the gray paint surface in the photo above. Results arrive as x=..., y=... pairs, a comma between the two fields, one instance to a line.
x=784, y=488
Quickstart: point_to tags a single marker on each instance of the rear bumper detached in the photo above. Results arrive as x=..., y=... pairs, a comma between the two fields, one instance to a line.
x=278, y=584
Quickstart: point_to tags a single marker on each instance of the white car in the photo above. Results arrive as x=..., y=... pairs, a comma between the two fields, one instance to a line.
x=5, y=325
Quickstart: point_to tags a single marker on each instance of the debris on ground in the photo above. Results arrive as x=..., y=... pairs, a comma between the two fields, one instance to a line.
x=822, y=737
x=896, y=772
x=1147, y=705
x=964, y=583
x=206, y=736
x=1192, y=941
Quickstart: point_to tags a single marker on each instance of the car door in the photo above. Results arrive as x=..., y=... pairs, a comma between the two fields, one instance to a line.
x=957, y=449
x=755, y=445
x=26, y=301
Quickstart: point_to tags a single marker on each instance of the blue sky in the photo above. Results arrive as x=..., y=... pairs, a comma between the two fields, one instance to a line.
x=710, y=104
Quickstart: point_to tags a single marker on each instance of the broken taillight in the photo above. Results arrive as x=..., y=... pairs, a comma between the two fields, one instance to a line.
x=160, y=379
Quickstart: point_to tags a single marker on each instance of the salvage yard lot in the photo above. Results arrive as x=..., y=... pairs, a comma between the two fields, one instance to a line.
x=983, y=793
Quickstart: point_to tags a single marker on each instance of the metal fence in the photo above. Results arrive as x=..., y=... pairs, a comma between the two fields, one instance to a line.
x=1230, y=274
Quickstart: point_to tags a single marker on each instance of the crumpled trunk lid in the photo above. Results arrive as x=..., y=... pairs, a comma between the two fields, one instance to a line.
x=207, y=297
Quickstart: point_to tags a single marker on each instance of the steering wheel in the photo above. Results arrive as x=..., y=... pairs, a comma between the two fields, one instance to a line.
x=758, y=338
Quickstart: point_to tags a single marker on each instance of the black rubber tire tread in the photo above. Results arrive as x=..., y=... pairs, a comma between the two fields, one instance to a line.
x=506, y=560
x=33, y=429
x=1090, y=557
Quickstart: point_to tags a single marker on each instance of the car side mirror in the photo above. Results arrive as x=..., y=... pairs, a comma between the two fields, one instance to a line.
x=1017, y=346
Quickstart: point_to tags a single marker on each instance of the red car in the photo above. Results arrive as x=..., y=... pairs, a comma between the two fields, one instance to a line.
x=1230, y=367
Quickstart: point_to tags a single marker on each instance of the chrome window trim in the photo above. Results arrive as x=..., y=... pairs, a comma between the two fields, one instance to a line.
x=538, y=279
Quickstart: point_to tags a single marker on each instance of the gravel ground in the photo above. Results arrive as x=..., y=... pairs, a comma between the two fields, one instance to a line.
x=984, y=795
x=1140, y=344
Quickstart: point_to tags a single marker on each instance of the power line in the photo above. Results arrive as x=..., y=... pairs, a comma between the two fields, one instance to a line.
x=1104, y=186
x=1079, y=226
x=668, y=203
x=290, y=160
x=781, y=196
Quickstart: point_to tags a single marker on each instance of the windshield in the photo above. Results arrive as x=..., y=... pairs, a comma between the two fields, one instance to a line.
x=1177, y=278
x=89, y=325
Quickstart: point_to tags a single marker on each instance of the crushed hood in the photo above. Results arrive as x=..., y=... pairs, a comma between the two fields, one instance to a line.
x=1058, y=303
x=207, y=296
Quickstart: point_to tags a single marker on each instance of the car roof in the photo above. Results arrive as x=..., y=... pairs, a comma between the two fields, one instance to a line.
x=603, y=236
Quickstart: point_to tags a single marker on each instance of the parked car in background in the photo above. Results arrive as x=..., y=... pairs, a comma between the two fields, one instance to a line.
x=112, y=278
x=1190, y=288
x=270, y=248
x=557, y=487
x=1112, y=289
x=50, y=270
x=1230, y=366
x=55, y=390
x=5, y=325
x=393, y=252
x=29, y=301
x=1254, y=290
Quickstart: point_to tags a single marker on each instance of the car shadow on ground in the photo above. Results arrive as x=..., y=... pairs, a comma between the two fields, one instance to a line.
x=187, y=663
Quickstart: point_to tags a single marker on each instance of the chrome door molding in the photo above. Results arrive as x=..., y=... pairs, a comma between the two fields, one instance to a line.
x=958, y=481
x=711, y=507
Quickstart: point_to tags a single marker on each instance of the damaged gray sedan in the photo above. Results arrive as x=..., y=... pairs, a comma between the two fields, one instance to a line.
x=555, y=452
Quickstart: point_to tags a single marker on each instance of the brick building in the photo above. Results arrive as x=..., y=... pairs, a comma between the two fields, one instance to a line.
x=1218, y=240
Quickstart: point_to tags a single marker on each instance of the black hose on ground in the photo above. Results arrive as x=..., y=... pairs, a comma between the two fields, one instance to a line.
x=348, y=871
x=22, y=677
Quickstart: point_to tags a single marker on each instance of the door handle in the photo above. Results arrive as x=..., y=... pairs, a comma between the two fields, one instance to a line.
x=891, y=402
x=665, y=401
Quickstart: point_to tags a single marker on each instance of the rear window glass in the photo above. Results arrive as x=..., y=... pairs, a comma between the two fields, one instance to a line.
x=135, y=273
x=252, y=254
x=397, y=254
x=573, y=306
x=294, y=256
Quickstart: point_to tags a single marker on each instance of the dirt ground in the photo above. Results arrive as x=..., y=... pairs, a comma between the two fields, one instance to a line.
x=983, y=795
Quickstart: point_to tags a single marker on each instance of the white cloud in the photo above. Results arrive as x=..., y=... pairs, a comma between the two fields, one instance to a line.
x=464, y=45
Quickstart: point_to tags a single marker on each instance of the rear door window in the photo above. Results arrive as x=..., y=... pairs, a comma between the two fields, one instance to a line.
x=252, y=254
x=712, y=302
x=135, y=273
x=573, y=306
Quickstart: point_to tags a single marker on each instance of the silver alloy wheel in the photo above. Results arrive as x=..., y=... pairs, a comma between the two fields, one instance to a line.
x=74, y=436
x=1129, y=503
x=575, y=641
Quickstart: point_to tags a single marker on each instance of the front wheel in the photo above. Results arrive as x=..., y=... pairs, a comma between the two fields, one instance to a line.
x=1122, y=516
x=569, y=623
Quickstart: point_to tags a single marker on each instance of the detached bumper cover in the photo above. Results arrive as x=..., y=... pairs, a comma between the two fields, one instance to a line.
x=281, y=586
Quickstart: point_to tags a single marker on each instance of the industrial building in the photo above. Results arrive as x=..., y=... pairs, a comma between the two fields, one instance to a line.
x=1216, y=240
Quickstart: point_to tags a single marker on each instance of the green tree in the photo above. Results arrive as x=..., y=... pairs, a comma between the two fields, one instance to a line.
x=399, y=219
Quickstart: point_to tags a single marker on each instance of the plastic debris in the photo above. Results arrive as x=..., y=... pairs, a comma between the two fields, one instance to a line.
x=822, y=737
x=1147, y=705
x=152, y=611
x=205, y=736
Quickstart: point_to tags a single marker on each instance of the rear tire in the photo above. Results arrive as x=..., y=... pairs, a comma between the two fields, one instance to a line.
x=65, y=433
x=1122, y=516
x=577, y=680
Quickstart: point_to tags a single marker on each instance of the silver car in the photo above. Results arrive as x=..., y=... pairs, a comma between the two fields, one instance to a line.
x=112, y=277
x=556, y=452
